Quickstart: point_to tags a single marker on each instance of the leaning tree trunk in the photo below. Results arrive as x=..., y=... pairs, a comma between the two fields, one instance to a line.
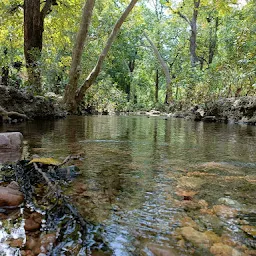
x=72, y=104
x=70, y=92
x=165, y=69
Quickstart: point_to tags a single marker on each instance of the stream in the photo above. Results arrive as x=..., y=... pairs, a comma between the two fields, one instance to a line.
x=157, y=186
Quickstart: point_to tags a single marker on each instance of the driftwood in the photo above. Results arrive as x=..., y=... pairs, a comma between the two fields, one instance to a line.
x=7, y=115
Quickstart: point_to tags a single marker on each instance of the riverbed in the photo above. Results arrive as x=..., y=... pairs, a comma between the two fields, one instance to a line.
x=157, y=185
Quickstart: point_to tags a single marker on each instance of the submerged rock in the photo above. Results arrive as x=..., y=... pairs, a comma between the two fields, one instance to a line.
x=229, y=202
x=33, y=222
x=195, y=237
x=220, y=249
x=10, y=195
x=158, y=250
x=224, y=211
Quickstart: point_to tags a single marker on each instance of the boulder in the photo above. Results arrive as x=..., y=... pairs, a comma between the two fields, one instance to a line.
x=11, y=141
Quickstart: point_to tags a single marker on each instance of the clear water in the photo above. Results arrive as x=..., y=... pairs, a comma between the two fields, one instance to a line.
x=142, y=177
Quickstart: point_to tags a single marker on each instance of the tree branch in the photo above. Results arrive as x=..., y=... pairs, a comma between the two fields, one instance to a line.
x=46, y=9
x=96, y=70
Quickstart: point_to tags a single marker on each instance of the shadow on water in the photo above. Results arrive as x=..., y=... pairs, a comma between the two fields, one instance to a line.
x=158, y=186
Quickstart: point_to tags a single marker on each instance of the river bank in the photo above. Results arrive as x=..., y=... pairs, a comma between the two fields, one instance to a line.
x=17, y=106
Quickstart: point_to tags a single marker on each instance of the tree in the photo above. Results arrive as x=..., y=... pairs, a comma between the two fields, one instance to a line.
x=74, y=96
x=165, y=69
x=193, y=26
x=33, y=39
x=70, y=92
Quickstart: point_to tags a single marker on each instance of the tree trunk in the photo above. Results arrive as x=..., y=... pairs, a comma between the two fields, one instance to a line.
x=70, y=92
x=193, y=26
x=80, y=92
x=33, y=40
x=192, y=40
x=156, y=86
x=165, y=69
x=213, y=40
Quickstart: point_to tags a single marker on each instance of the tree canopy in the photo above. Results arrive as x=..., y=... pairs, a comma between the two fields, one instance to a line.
x=208, y=48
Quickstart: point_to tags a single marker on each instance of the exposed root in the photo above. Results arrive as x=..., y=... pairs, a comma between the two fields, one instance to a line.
x=7, y=116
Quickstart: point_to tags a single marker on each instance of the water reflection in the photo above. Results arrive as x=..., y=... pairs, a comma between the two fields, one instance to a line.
x=158, y=186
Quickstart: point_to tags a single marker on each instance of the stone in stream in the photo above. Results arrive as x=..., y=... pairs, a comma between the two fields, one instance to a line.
x=229, y=202
x=10, y=195
x=158, y=250
x=10, y=146
x=224, y=211
x=33, y=222
x=11, y=141
x=220, y=249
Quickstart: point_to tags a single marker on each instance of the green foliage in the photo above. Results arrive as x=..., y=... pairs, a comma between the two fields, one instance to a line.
x=106, y=97
x=129, y=72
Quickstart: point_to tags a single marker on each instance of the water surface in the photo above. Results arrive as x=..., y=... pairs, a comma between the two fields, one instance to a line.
x=152, y=182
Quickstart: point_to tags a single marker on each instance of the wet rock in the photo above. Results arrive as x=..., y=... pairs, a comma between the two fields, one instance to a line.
x=220, y=249
x=195, y=237
x=229, y=202
x=250, y=230
x=213, y=238
x=250, y=252
x=153, y=112
x=16, y=243
x=33, y=222
x=190, y=182
x=224, y=211
x=209, y=119
x=158, y=250
x=47, y=242
x=11, y=141
x=203, y=204
x=10, y=196
x=188, y=222
x=40, y=245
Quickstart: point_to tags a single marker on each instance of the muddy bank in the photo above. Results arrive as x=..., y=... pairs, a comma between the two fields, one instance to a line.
x=17, y=105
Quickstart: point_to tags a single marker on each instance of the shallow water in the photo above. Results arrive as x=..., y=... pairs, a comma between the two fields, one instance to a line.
x=152, y=182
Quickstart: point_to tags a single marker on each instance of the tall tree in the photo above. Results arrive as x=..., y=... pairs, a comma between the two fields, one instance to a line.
x=70, y=92
x=165, y=70
x=73, y=101
x=193, y=26
x=33, y=39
